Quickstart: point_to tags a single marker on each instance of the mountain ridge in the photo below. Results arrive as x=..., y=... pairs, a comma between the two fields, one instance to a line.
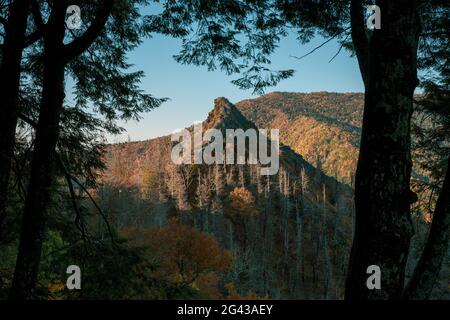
x=323, y=127
x=302, y=214
x=224, y=115
x=284, y=227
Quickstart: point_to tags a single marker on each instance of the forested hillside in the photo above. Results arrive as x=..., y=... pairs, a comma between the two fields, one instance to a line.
x=251, y=216
x=288, y=234
x=323, y=127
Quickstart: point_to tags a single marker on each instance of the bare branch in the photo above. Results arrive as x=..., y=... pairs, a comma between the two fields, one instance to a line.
x=69, y=178
x=40, y=25
x=37, y=16
x=105, y=219
x=78, y=218
x=322, y=44
x=28, y=120
x=340, y=48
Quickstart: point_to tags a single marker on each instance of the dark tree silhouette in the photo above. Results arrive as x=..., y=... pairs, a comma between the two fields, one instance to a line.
x=433, y=143
x=388, y=64
x=56, y=56
x=116, y=95
x=14, y=27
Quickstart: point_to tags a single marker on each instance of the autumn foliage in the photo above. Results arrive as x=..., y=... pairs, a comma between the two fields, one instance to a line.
x=242, y=201
x=183, y=255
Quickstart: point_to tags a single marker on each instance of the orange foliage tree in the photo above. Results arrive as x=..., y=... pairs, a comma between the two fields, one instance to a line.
x=183, y=254
x=241, y=207
x=242, y=202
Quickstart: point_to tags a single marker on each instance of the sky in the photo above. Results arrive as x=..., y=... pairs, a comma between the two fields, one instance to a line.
x=192, y=89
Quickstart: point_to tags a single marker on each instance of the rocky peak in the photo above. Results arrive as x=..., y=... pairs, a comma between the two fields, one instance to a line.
x=225, y=115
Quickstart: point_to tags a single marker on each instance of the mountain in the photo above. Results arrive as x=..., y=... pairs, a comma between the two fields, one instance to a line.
x=323, y=127
x=225, y=115
x=289, y=233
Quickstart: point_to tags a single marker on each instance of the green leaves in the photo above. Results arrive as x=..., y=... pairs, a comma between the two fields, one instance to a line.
x=236, y=37
x=260, y=78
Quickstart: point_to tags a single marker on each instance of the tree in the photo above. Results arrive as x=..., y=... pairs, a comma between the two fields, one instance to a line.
x=241, y=207
x=432, y=142
x=242, y=202
x=382, y=190
x=233, y=36
x=429, y=265
x=151, y=184
x=56, y=56
x=11, y=56
x=382, y=184
x=183, y=253
x=116, y=94
x=179, y=181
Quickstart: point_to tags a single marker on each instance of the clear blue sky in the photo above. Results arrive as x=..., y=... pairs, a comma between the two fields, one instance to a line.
x=192, y=89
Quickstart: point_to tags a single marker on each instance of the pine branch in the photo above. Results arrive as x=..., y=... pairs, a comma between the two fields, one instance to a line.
x=80, y=44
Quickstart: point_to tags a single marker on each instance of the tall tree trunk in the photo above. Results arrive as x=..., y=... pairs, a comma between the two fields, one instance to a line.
x=383, y=226
x=9, y=92
x=42, y=165
x=429, y=265
x=56, y=56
